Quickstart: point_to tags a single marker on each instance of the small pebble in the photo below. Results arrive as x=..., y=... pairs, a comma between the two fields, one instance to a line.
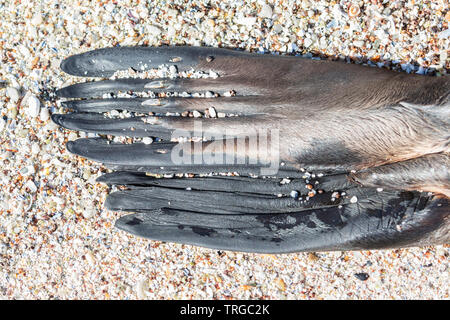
x=147, y=140
x=34, y=106
x=312, y=256
x=12, y=112
x=35, y=148
x=362, y=276
x=281, y=285
x=37, y=19
x=86, y=174
x=173, y=71
x=13, y=94
x=90, y=258
x=27, y=171
x=116, y=113
x=307, y=42
x=212, y=112
x=3, y=248
x=141, y=288
x=44, y=115
x=354, y=10
x=31, y=186
x=88, y=213
x=72, y=136
x=266, y=11
x=358, y=43
x=153, y=30
x=2, y=124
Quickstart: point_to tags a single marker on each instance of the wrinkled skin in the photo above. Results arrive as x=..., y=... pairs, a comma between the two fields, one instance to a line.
x=366, y=150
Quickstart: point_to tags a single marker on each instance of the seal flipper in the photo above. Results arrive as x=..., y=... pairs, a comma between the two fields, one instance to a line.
x=97, y=89
x=428, y=172
x=230, y=195
x=397, y=219
x=171, y=157
x=250, y=185
x=368, y=128
x=236, y=218
x=239, y=105
x=105, y=62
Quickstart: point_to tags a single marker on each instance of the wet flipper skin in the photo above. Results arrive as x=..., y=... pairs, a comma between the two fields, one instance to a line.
x=248, y=105
x=395, y=220
x=273, y=186
x=105, y=62
x=168, y=157
x=360, y=155
x=99, y=88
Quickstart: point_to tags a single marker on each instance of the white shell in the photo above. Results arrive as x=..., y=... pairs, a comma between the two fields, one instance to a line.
x=141, y=288
x=147, y=140
x=34, y=106
x=35, y=149
x=30, y=185
x=37, y=19
x=153, y=30
x=44, y=115
x=212, y=112
x=2, y=124
x=266, y=11
x=13, y=94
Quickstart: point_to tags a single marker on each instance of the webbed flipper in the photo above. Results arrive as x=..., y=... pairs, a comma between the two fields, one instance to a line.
x=350, y=149
x=395, y=219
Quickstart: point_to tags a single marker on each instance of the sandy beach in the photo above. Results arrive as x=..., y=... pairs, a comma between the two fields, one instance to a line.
x=57, y=241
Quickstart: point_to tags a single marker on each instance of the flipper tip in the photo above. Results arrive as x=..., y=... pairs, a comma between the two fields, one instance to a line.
x=127, y=223
x=72, y=66
x=70, y=146
x=57, y=118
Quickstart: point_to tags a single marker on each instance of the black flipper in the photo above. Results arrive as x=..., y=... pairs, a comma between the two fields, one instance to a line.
x=97, y=89
x=105, y=62
x=342, y=208
x=271, y=186
x=97, y=123
x=168, y=157
x=262, y=215
x=397, y=219
x=204, y=200
x=235, y=105
x=242, y=170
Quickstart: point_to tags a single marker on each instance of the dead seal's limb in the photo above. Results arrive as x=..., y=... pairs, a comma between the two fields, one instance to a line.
x=365, y=150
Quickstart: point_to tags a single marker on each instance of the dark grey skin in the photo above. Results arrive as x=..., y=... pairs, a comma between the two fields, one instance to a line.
x=378, y=138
